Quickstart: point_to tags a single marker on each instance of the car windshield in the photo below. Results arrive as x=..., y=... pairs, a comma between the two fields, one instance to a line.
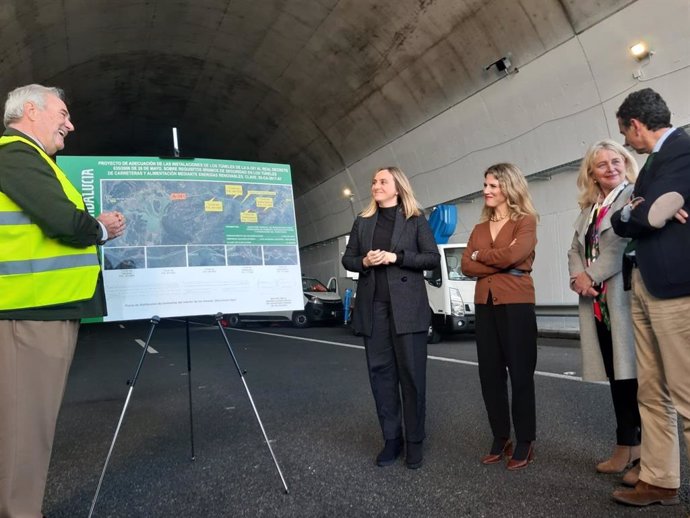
x=453, y=261
x=309, y=284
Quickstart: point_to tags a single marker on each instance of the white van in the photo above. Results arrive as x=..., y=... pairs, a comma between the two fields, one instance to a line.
x=451, y=294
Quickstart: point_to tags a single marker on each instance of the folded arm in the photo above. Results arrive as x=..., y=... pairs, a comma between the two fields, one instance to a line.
x=665, y=201
x=520, y=248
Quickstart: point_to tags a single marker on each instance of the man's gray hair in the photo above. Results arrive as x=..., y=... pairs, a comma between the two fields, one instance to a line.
x=14, y=106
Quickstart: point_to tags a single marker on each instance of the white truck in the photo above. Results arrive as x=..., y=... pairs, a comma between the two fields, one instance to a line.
x=451, y=294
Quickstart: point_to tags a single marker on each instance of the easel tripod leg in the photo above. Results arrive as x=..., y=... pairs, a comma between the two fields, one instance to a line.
x=219, y=317
x=189, y=388
x=154, y=322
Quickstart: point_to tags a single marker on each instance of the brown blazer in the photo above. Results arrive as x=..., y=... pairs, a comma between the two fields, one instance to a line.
x=497, y=262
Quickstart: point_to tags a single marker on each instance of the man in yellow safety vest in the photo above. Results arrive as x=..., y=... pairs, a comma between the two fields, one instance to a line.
x=50, y=278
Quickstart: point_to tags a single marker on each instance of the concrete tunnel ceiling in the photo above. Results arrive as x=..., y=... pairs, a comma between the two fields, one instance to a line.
x=318, y=84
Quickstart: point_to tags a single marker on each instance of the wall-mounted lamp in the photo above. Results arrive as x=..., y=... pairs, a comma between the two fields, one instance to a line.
x=347, y=192
x=503, y=65
x=641, y=51
x=643, y=54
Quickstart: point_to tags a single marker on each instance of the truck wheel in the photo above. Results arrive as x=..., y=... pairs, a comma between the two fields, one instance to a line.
x=299, y=319
x=234, y=320
x=433, y=336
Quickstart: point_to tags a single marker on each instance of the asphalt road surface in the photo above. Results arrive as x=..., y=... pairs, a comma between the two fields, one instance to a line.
x=311, y=390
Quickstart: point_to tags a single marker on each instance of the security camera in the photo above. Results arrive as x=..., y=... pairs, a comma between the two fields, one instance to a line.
x=502, y=65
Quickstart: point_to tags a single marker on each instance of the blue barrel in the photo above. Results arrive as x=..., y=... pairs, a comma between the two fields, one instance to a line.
x=442, y=221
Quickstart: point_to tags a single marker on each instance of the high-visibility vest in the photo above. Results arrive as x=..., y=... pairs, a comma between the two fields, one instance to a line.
x=36, y=270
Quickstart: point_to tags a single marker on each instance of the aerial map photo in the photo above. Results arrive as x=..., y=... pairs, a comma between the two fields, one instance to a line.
x=189, y=223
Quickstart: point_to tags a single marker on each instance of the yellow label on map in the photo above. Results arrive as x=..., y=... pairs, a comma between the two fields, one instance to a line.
x=213, y=206
x=249, y=217
x=265, y=203
x=233, y=190
x=259, y=193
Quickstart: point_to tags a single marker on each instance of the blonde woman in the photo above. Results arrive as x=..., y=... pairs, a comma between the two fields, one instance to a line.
x=390, y=246
x=595, y=260
x=500, y=253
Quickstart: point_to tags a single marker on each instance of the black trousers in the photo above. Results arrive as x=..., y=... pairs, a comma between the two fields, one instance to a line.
x=507, y=343
x=397, y=366
x=623, y=393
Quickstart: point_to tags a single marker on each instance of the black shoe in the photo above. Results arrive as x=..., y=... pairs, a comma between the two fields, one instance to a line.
x=390, y=452
x=415, y=455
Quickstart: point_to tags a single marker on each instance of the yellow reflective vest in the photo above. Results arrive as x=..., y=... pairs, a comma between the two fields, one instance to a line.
x=36, y=270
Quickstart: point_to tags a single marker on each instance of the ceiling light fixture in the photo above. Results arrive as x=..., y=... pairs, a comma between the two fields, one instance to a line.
x=643, y=54
x=640, y=51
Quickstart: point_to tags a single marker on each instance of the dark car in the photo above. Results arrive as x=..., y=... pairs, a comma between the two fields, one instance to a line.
x=321, y=304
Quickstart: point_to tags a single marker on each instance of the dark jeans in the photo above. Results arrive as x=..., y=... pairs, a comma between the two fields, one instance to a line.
x=623, y=393
x=397, y=365
x=507, y=343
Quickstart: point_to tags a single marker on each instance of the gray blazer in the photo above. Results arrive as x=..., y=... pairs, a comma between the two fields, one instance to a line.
x=409, y=302
x=607, y=267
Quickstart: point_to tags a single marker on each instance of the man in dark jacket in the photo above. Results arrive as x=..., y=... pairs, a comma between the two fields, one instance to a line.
x=49, y=279
x=656, y=220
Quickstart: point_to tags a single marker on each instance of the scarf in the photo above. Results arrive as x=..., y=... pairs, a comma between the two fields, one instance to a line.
x=596, y=216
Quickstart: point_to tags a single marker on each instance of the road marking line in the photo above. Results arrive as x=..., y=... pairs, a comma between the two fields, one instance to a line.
x=437, y=358
x=141, y=343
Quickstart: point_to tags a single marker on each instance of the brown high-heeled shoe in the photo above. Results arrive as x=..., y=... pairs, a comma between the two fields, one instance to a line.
x=516, y=464
x=623, y=457
x=494, y=458
x=632, y=476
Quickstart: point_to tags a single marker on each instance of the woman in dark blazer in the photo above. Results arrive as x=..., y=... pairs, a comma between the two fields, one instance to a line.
x=500, y=253
x=390, y=246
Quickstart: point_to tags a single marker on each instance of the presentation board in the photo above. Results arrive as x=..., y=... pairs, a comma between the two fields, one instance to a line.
x=203, y=236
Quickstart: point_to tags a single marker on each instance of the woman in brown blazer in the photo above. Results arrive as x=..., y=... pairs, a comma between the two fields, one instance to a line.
x=500, y=253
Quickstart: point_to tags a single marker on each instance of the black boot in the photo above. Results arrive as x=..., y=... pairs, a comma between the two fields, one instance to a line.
x=391, y=451
x=415, y=454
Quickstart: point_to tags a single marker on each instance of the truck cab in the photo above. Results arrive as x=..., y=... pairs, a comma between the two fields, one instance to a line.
x=451, y=294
